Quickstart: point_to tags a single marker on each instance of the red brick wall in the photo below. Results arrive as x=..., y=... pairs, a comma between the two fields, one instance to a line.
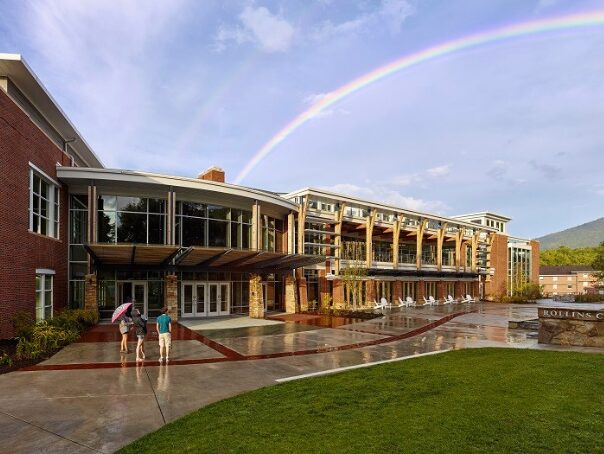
x=21, y=251
x=212, y=175
x=499, y=261
x=535, y=261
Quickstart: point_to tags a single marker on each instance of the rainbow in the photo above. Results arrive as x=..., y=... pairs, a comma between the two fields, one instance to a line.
x=590, y=19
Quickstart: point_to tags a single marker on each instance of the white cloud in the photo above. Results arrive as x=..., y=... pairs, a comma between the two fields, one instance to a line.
x=391, y=12
x=385, y=195
x=395, y=12
x=417, y=178
x=269, y=32
x=439, y=171
x=328, y=29
x=102, y=49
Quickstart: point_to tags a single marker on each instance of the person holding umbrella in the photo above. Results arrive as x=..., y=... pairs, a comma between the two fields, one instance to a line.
x=125, y=323
x=141, y=332
x=123, y=313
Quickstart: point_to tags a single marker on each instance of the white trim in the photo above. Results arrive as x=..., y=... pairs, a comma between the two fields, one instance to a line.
x=357, y=366
x=380, y=206
x=44, y=174
x=131, y=176
x=45, y=271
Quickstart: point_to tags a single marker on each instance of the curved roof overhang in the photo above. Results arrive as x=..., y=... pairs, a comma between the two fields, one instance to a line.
x=129, y=182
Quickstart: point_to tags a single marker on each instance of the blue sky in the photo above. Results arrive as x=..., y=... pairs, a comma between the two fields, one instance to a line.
x=174, y=87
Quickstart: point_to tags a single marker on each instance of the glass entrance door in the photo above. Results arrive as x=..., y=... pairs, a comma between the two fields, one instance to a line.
x=218, y=299
x=200, y=300
x=205, y=299
x=135, y=291
x=193, y=299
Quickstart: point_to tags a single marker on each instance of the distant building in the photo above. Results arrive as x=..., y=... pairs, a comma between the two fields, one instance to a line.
x=567, y=280
x=512, y=261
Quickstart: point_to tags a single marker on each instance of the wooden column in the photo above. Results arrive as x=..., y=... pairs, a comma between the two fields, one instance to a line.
x=439, y=245
x=339, y=217
x=302, y=211
x=291, y=233
x=256, y=227
x=396, y=234
x=369, y=223
x=421, y=228
x=458, y=242
x=92, y=213
x=171, y=217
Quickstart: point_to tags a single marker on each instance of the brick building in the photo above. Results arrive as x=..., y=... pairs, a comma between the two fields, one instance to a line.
x=73, y=233
x=567, y=280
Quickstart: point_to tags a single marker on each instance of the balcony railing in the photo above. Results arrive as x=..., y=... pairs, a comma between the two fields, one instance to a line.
x=407, y=258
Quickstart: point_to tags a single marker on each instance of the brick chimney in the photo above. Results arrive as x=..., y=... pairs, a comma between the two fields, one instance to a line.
x=212, y=174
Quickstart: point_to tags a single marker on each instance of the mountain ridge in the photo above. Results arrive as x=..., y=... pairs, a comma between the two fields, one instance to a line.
x=589, y=234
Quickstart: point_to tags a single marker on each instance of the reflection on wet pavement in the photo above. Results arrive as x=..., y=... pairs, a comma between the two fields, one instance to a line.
x=108, y=402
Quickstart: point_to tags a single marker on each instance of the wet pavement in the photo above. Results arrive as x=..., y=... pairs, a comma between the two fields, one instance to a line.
x=89, y=397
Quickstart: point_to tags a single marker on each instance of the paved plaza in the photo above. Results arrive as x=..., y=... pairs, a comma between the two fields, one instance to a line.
x=89, y=397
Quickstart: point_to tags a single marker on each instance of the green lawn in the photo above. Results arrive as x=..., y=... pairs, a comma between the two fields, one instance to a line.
x=494, y=400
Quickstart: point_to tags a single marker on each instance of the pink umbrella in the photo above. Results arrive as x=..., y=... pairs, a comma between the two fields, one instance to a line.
x=120, y=311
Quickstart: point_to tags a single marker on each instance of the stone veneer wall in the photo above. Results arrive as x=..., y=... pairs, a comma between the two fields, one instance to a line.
x=171, y=295
x=571, y=327
x=90, y=292
x=256, y=299
x=291, y=300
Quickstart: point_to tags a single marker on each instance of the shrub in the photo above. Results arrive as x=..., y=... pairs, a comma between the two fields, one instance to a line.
x=325, y=304
x=45, y=338
x=5, y=360
x=75, y=319
x=23, y=323
x=589, y=298
x=39, y=339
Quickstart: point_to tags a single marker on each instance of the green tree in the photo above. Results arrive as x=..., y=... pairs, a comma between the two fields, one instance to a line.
x=353, y=272
x=598, y=264
x=563, y=255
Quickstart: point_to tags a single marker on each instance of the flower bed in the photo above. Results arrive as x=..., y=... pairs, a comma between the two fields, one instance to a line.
x=35, y=342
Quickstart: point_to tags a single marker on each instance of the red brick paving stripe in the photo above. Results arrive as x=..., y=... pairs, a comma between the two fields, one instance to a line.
x=110, y=333
x=240, y=357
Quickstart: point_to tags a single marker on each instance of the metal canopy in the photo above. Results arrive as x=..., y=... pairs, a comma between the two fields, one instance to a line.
x=130, y=254
x=196, y=257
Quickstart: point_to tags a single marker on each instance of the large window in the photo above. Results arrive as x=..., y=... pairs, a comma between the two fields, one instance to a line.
x=200, y=224
x=78, y=259
x=43, y=205
x=123, y=219
x=44, y=282
x=319, y=239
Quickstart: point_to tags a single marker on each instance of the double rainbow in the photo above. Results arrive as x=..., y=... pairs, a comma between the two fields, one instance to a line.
x=590, y=19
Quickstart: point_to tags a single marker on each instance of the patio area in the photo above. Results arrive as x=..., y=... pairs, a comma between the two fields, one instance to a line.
x=88, y=397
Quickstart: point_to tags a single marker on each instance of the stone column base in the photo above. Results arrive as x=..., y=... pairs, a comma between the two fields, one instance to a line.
x=90, y=293
x=256, y=296
x=171, y=295
x=291, y=300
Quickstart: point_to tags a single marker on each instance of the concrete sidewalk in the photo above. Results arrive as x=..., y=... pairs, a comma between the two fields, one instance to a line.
x=88, y=398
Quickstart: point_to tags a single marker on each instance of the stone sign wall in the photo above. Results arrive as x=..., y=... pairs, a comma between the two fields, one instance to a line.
x=562, y=326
